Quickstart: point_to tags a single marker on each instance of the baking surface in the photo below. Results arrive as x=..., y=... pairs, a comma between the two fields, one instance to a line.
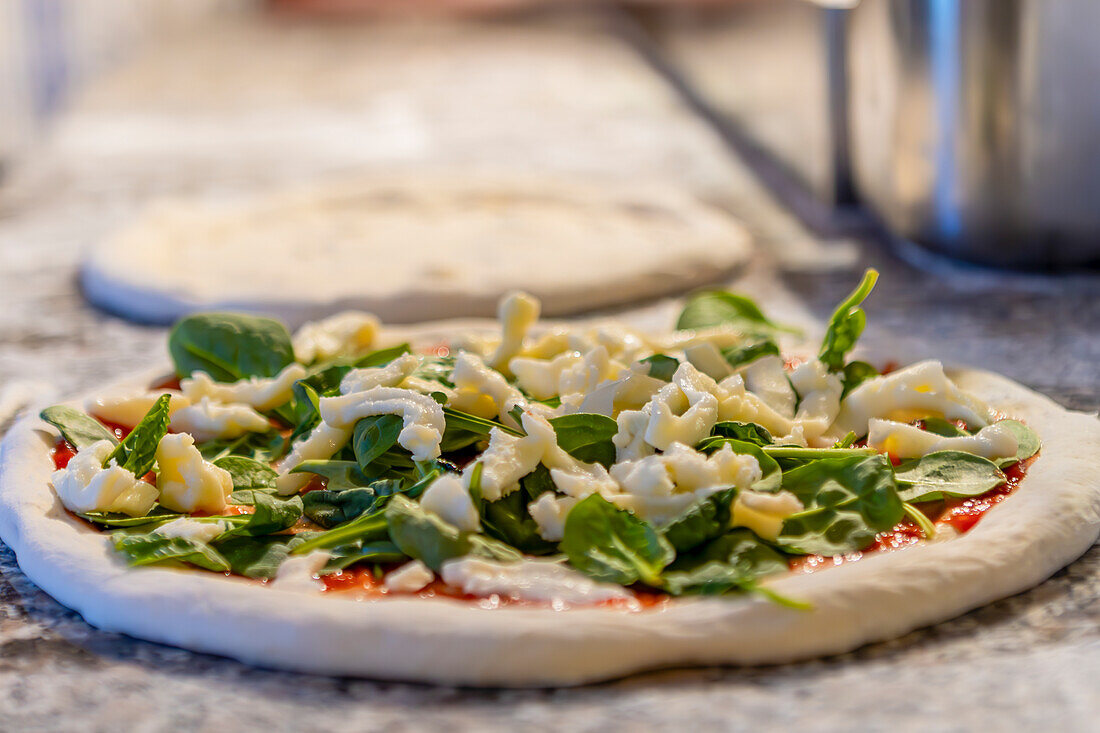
x=1029, y=662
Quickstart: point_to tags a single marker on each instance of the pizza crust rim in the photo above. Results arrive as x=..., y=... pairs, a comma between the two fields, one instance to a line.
x=1050, y=520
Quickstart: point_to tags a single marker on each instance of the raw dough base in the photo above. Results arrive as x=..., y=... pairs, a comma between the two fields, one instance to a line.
x=1048, y=522
x=412, y=249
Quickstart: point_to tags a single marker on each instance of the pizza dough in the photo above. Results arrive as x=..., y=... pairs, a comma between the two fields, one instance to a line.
x=1051, y=519
x=414, y=249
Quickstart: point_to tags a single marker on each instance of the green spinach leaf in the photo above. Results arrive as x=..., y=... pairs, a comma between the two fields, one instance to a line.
x=846, y=324
x=256, y=557
x=374, y=436
x=428, y=538
x=748, y=432
x=946, y=473
x=271, y=514
x=374, y=552
x=248, y=473
x=154, y=548
x=710, y=308
x=157, y=515
x=230, y=346
x=79, y=429
x=338, y=475
x=856, y=373
x=752, y=349
x=587, y=437
x=612, y=545
x=701, y=522
x=330, y=508
x=939, y=426
x=771, y=475
x=662, y=366
x=724, y=564
x=1028, y=443
x=137, y=453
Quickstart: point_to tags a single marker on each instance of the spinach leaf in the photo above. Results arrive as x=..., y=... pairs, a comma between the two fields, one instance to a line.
x=847, y=502
x=846, y=324
x=79, y=429
x=370, y=527
x=771, y=475
x=153, y=548
x=428, y=538
x=256, y=557
x=463, y=430
x=939, y=426
x=508, y=519
x=856, y=373
x=725, y=563
x=338, y=475
x=946, y=473
x=330, y=508
x=376, y=552
x=711, y=308
x=307, y=409
x=381, y=357
x=436, y=369
x=662, y=366
x=749, y=351
x=612, y=545
x=587, y=437
x=748, y=432
x=262, y=447
x=137, y=453
x=272, y=514
x=701, y=522
x=157, y=515
x=374, y=436
x=1028, y=443
x=248, y=473
x=230, y=346
x=537, y=482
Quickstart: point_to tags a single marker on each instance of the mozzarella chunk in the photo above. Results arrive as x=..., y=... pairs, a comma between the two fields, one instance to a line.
x=481, y=391
x=262, y=393
x=915, y=392
x=349, y=333
x=422, y=417
x=528, y=580
x=518, y=312
x=128, y=408
x=767, y=379
x=190, y=529
x=299, y=573
x=735, y=402
x=908, y=441
x=84, y=485
x=565, y=374
x=208, y=420
x=322, y=443
x=709, y=360
x=629, y=439
x=550, y=512
x=186, y=481
x=763, y=512
x=449, y=498
x=629, y=392
x=683, y=411
x=659, y=488
x=820, y=390
x=409, y=578
x=391, y=375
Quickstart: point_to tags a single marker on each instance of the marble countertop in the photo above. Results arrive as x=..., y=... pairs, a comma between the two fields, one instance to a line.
x=1030, y=662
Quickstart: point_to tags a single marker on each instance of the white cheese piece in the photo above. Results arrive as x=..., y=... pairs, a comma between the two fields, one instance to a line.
x=262, y=393
x=409, y=578
x=349, y=333
x=767, y=379
x=550, y=512
x=622, y=344
x=722, y=337
x=187, y=482
x=190, y=529
x=820, y=391
x=565, y=374
x=908, y=441
x=659, y=488
x=481, y=391
x=299, y=573
x=85, y=486
x=683, y=411
x=529, y=580
x=735, y=402
x=421, y=416
x=709, y=360
x=391, y=375
x=518, y=312
x=629, y=392
x=556, y=341
x=208, y=420
x=128, y=408
x=764, y=512
x=449, y=498
x=322, y=443
x=915, y=392
x=629, y=439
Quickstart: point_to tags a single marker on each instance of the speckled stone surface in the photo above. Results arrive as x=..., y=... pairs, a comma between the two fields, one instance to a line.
x=1026, y=663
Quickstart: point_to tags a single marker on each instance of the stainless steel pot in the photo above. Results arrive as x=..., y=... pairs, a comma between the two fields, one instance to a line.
x=975, y=125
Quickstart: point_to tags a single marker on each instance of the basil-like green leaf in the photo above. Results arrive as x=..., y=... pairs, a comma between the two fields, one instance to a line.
x=330, y=508
x=749, y=432
x=262, y=447
x=939, y=426
x=424, y=536
x=370, y=527
x=508, y=518
x=137, y=453
x=749, y=351
x=436, y=369
x=230, y=346
x=724, y=564
x=846, y=324
x=946, y=473
x=272, y=514
x=771, y=475
x=157, y=515
x=612, y=545
x=256, y=557
x=1028, y=443
x=79, y=429
x=153, y=548
x=711, y=308
x=464, y=429
x=374, y=436
x=375, y=552
x=847, y=502
x=338, y=475
x=248, y=473
x=856, y=373
x=701, y=522
x=587, y=437
x=662, y=366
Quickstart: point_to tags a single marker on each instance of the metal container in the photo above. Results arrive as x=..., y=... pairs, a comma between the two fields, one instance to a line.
x=975, y=125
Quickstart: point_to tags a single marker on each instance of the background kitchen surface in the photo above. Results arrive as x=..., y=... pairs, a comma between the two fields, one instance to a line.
x=218, y=100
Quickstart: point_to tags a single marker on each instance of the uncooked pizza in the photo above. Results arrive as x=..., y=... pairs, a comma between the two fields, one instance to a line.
x=531, y=503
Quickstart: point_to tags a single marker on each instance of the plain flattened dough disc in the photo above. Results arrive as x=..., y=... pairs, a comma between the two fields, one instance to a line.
x=412, y=249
